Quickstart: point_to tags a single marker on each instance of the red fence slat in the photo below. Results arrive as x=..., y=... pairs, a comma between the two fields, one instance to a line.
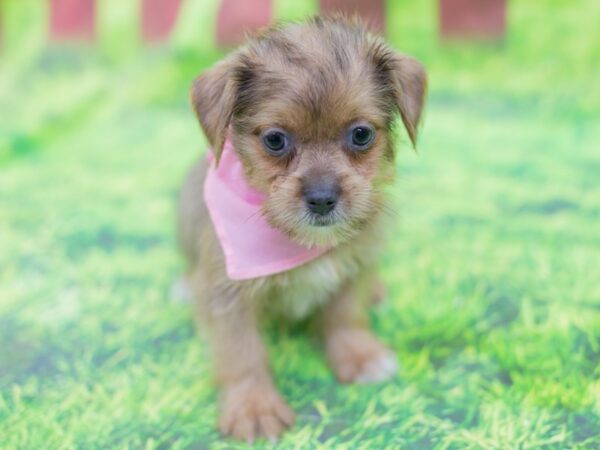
x=72, y=19
x=371, y=11
x=236, y=17
x=472, y=19
x=158, y=19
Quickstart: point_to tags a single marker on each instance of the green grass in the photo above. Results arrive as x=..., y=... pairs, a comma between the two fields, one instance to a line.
x=494, y=299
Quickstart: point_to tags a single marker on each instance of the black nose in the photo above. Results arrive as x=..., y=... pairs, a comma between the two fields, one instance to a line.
x=321, y=197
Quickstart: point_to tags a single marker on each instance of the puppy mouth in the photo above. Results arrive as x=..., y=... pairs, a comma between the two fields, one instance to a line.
x=314, y=229
x=317, y=220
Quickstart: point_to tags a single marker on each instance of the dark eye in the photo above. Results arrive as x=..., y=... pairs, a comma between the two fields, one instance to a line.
x=361, y=136
x=276, y=142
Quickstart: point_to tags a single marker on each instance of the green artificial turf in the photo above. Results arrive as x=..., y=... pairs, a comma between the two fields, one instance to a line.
x=493, y=272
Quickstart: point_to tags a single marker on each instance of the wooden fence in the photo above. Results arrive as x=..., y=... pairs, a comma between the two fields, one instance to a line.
x=76, y=19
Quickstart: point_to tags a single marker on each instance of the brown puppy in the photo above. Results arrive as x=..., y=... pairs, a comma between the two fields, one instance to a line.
x=324, y=94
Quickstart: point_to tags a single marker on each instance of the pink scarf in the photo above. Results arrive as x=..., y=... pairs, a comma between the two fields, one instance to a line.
x=252, y=247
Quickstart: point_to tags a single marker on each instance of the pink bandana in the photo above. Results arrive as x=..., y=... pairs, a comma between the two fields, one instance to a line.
x=252, y=247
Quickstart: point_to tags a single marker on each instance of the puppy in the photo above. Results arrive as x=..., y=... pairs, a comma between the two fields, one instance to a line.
x=287, y=213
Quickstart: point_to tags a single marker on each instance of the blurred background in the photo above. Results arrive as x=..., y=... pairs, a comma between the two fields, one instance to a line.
x=492, y=272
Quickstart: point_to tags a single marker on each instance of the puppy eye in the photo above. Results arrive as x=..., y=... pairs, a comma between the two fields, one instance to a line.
x=361, y=136
x=276, y=142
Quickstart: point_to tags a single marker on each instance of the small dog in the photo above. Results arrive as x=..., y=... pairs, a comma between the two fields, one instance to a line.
x=287, y=212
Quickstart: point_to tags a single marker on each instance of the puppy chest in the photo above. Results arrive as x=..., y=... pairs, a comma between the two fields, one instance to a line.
x=302, y=291
x=297, y=304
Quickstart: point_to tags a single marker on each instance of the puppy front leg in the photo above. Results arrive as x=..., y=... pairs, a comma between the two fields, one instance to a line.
x=354, y=353
x=250, y=405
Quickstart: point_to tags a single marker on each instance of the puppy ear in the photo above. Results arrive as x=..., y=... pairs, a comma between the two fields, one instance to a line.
x=410, y=84
x=212, y=96
x=407, y=80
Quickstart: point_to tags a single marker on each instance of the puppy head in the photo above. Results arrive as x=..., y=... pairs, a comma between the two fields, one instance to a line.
x=311, y=107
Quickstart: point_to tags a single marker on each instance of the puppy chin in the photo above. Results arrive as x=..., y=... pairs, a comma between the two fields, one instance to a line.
x=311, y=230
x=320, y=236
x=329, y=231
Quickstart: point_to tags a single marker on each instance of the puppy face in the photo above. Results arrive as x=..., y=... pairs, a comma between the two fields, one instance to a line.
x=311, y=108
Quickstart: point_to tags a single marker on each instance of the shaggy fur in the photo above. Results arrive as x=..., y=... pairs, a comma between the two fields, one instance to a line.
x=314, y=80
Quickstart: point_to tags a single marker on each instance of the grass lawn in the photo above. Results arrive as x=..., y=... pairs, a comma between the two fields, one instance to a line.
x=493, y=271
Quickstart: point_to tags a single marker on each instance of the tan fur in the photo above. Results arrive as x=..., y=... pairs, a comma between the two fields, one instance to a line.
x=314, y=80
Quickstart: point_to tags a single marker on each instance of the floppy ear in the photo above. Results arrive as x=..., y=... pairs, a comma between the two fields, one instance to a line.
x=410, y=84
x=406, y=79
x=212, y=96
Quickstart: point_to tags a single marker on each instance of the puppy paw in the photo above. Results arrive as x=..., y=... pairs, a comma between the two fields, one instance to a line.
x=251, y=409
x=356, y=356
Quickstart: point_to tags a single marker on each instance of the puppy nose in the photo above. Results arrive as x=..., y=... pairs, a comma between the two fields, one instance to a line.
x=321, y=197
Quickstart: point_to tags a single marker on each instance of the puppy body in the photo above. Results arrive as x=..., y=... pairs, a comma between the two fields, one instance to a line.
x=317, y=87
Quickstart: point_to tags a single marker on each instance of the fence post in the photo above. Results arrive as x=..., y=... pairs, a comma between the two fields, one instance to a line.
x=472, y=19
x=371, y=11
x=72, y=19
x=158, y=19
x=236, y=17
